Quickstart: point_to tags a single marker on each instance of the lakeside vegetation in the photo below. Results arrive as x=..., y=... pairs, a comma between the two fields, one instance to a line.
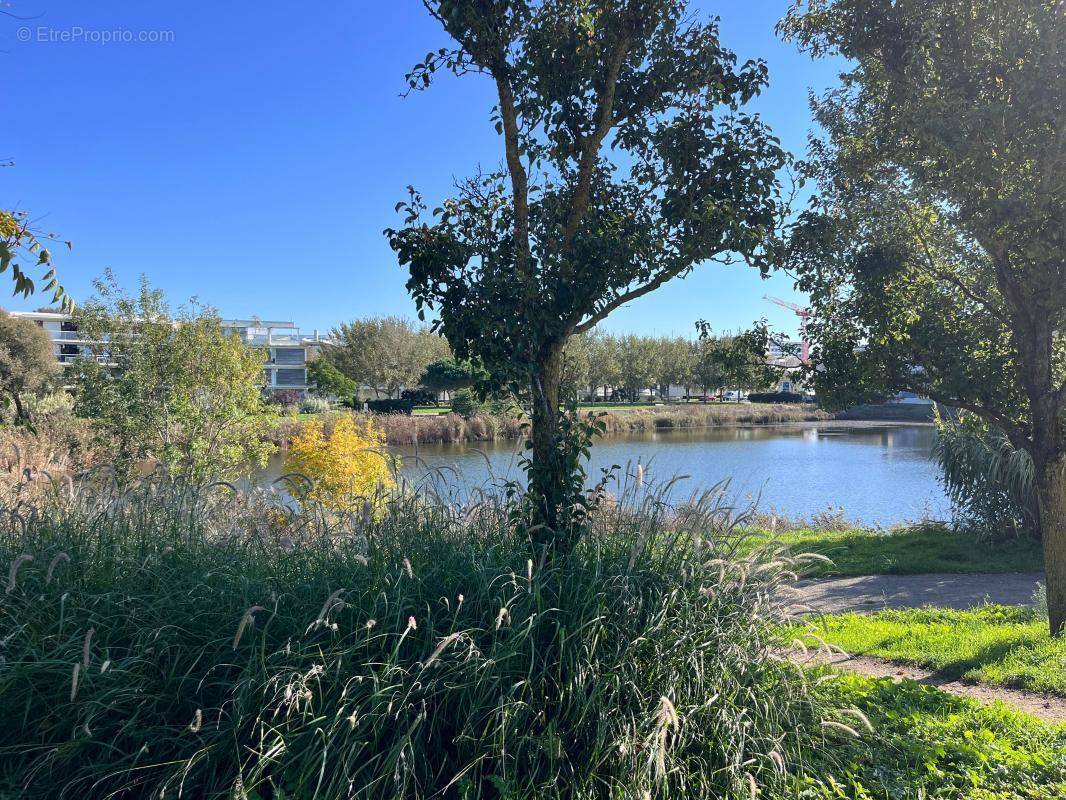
x=995, y=645
x=172, y=635
x=337, y=634
x=404, y=429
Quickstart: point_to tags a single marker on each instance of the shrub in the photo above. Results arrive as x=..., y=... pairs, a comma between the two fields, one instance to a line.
x=178, y=390
x=465, y=403
x=391, y=406
x=315, y=405
x=989, y=481
x=328, y=381
x=419, y=397
x=775, y=397
x=347, y=464
x=286, y=398
x=198, y=644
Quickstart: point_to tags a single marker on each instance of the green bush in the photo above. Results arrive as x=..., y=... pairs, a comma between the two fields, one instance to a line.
x=465, y=403
x=179, y=643
x=315, y=405
x=775, y=397
x=989, y=481
x=391, y=406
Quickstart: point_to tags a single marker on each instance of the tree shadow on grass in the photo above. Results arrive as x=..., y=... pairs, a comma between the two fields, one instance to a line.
x=960, y=669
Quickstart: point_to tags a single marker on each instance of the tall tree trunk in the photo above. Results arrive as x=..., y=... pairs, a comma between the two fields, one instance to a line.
x=1051, y=494
x=546, y=480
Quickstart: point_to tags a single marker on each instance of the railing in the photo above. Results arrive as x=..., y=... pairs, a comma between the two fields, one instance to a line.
x=70, y=359
x=296, y=337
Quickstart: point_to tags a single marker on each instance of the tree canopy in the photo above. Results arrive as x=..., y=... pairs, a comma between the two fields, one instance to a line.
x=447, y=375
x=934, y=249
x=172, y=387
x=627, y=162
x=27, y=363
x=385, y=353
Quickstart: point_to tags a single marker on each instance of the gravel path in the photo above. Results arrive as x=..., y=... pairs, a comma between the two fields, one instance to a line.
x=944, y=590
x=1046, y=707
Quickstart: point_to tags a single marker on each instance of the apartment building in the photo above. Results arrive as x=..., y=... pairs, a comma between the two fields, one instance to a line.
x=288, y=349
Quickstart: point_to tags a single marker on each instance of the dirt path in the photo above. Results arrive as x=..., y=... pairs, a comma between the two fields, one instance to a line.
x=944, y=590
x=1046, y=707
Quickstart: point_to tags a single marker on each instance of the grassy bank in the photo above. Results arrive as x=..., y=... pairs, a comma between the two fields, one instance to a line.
x=165, y=641
x=162, y=640
x=927, y=744
x=911, y=551
x=403, y=429
x=996, y=645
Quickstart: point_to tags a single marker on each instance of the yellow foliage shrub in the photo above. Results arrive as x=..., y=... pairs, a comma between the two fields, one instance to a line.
x=348, y=464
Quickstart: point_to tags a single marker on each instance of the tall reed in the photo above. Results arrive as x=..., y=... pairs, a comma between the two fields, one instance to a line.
x=198, y=642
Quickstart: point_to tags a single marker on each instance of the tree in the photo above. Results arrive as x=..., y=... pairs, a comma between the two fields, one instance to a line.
x=27, y=363
x=604, y=369
x=384, y=353
x=620, y=175
x=447, y=375
x=675, y=362
x=575, y=369
x=20, y=243
x=638, y=364
x=934, y=251
x=740, y=360
x=173, y=388
x=709, y=372
x=329, y=381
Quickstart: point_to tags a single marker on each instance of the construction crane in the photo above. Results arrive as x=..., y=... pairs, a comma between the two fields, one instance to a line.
x=803, y=314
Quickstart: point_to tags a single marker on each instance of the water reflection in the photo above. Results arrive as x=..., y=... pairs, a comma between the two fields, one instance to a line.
x=879, y=474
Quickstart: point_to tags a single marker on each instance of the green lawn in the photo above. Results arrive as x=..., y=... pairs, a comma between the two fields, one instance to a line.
x=928, y=744
x=430, y=411
x=996, y=645
x=908, y=552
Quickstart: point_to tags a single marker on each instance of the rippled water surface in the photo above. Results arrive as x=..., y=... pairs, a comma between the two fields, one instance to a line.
x=879, y=474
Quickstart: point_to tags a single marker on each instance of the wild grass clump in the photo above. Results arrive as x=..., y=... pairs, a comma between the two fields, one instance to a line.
x=32, y=461
x=169, y=641
x=709, y=416
x=406, y=429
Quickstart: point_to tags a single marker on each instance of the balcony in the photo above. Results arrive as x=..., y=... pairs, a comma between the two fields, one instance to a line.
x=70, y=359
x=293, y=337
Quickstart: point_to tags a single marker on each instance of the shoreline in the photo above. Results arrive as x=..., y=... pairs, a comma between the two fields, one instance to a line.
x=450, y=428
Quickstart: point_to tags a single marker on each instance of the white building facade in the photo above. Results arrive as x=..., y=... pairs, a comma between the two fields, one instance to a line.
x=288, y=349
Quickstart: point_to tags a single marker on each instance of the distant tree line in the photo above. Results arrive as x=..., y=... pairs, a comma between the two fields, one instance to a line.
x=387, y=356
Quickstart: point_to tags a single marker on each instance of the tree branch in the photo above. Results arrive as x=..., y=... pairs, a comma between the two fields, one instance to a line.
x=591, y=145
x=1015, y=432
x=519, y=179
x=947, y=277
x=626, y=297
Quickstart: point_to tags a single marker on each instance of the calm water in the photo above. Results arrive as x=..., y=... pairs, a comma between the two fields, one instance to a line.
x=879, y=474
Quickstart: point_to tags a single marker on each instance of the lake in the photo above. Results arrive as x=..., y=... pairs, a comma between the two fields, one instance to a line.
x=879, y=474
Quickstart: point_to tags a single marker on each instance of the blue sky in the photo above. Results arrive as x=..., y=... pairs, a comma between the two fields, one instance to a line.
x=254, y=159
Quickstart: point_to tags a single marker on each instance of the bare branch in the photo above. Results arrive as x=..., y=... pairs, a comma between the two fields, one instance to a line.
x=626, y=297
